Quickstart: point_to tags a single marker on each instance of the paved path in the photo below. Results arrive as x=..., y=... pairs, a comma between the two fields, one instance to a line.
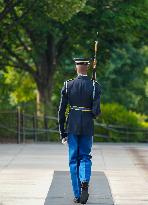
x=28, y=172
x=60, y=191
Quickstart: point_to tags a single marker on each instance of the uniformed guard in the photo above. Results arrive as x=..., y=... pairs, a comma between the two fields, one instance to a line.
x=83, y=96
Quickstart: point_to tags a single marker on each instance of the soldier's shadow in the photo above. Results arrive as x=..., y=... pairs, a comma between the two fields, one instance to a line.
x=60, y=191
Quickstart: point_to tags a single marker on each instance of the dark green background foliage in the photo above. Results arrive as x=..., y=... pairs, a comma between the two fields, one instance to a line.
x=40, y=38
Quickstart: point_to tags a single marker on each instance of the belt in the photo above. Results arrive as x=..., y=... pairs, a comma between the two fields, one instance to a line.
x=84, y=109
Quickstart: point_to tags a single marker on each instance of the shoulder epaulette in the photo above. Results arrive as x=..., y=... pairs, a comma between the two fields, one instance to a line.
x=70, y=79
x=67, y=82
x=98, y=83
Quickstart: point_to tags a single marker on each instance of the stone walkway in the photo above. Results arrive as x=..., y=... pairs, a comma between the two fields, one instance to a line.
x=60, y=191
x=28, y=171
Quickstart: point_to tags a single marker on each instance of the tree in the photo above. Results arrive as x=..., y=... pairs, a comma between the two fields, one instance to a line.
x=55, y=31
x=37, y=41
x=122, y=53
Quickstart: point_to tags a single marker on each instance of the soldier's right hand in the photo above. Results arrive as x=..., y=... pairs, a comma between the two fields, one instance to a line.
x=64, y=140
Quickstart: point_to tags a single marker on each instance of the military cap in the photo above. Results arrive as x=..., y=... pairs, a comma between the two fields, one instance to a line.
x=82, y=61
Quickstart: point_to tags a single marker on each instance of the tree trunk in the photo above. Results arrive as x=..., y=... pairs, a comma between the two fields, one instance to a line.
x=43, y=99
x=44, y=77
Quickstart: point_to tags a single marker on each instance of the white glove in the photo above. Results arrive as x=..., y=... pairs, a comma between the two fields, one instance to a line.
x=64, y=140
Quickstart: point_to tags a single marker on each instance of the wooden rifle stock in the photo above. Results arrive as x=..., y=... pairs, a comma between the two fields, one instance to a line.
x=95, y=60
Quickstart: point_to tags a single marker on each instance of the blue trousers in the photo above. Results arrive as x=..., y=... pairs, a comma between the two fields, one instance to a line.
x=79, y=160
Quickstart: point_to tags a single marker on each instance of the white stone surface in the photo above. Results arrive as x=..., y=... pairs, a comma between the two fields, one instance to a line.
x=26, y=171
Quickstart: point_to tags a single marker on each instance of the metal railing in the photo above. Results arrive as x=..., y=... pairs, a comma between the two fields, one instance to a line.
x=20, y=127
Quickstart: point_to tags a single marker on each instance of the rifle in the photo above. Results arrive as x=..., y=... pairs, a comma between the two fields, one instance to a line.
x=95, y=60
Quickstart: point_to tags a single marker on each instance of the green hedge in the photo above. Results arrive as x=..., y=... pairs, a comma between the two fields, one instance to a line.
x=118, y=115
x=127, y=124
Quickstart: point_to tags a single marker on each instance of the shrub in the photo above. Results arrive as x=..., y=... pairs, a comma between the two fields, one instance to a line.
x=118, y=115
x=120, y=124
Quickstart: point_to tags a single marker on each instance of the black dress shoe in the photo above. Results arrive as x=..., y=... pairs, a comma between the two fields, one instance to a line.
x=84, y=193
x=76, y=200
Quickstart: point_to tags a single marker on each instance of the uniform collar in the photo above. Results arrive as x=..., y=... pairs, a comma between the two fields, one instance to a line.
x=82, y=77
x=79, y=74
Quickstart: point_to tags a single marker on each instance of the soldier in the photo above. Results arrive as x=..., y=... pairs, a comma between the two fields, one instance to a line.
x=83, y=97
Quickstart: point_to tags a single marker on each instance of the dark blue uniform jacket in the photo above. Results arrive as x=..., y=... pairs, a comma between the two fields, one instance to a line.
x=79, y=92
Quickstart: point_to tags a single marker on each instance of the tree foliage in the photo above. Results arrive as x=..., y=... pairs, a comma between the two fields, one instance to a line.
x=36, y=42
x=40, y=38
